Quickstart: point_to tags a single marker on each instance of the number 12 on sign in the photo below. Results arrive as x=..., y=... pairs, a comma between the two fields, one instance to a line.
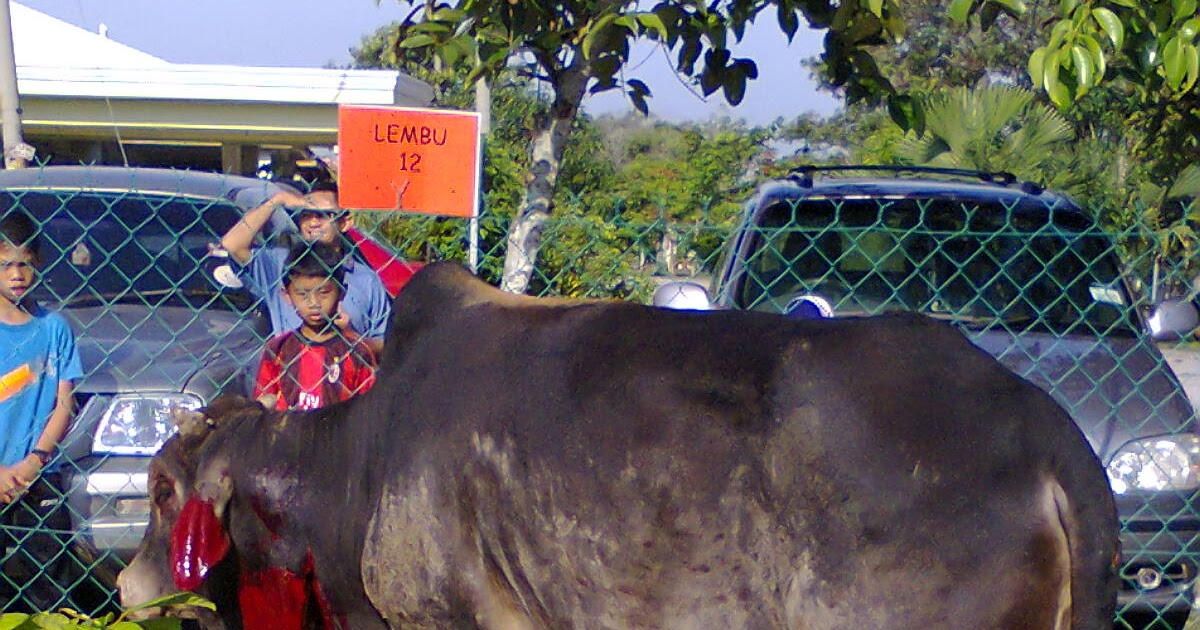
x=410, y=162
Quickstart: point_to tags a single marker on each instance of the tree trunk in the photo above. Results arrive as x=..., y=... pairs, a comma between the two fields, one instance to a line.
x=549, y=141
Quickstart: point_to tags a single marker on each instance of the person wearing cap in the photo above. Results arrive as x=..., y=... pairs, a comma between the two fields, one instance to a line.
x=366, y=306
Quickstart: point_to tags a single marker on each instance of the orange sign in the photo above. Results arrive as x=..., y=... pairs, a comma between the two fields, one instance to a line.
x=408, y=159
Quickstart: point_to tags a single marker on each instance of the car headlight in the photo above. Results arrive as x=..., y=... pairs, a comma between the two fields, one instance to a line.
x=1165, y=462
x=138, y=424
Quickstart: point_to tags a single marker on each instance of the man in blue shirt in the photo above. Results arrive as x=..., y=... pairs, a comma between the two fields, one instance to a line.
x=38, y=364
x=365, y=308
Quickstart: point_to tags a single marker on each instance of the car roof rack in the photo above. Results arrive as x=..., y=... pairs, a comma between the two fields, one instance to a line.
x=803, y=174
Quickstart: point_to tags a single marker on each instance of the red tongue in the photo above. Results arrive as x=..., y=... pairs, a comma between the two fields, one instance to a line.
x=198, y=542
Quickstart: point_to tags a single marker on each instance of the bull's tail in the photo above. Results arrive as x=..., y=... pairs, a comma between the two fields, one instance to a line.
x=1085, y=548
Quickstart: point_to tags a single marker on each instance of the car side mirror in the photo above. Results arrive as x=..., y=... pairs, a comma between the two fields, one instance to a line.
x=1173, y=319
x=222, y=272
x=687, y=296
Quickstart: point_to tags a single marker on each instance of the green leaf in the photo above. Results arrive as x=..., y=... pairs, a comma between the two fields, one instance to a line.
x=865, y=30
x=448, y=14
x=52, y=621
x=1110, y=24
x=449, y=54
x=11, y=621
x=1189, y=29
x=1059, y=94
x=1036, y=66
x=876, y=7
x=594, y=31
x=671, y=17
x=960, y=9
x=1015, y=8
x=1175, y=63
x=417, y=41
x=1193, y=67
x=787, y=21
x=906, y=112
x=1084, y=73
x=652, y=24
x=711, y=80
x=434, y=28
x=1131, y=4
x=893, y=25
x=1097, y=54
x=1058, y=33
x=1066, y=7
x=1187, y=183
x=175, y=599
x=735, y=87
x=689, y=52
x=748, y=68
x=1184, y=9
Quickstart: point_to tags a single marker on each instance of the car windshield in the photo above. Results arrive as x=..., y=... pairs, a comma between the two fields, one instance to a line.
x=109, y=247
x=979, y=265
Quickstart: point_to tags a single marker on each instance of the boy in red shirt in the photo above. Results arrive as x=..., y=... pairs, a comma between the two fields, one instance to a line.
x=319, y=363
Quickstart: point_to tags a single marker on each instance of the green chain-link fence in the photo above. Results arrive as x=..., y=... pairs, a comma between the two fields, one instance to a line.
x=162, y=323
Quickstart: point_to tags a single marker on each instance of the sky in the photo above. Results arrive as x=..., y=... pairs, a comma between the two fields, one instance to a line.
x=314, y=33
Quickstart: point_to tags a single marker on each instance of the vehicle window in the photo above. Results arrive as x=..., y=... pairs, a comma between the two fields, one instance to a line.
x=980, y=265
x=106, y=247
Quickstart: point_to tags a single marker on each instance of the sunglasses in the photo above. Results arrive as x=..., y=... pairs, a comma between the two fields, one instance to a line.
x=299, y=213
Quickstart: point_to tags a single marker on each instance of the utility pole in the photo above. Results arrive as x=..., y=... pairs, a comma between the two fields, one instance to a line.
x=483, y=105
x=16, y=153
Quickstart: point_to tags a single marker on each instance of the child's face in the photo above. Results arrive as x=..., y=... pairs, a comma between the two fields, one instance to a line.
x=16, y=272
x=316, y=299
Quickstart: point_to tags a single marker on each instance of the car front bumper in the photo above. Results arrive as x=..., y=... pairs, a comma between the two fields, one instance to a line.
x=1160, y=552
x=110, y=503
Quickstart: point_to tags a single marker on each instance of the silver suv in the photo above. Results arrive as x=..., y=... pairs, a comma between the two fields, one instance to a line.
x=131, y=258
x=1029, y=277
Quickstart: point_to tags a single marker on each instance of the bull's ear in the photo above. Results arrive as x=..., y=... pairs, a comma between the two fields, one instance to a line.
x=227, y=408
x=191, y=424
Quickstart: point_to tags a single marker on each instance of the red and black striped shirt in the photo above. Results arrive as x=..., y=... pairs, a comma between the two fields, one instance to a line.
x=306, y=374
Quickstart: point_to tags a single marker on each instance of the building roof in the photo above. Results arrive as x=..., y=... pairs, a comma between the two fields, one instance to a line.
x=75, y=83
x=41, y=40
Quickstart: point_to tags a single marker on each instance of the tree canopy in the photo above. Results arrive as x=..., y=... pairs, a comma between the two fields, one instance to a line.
x=581, y=47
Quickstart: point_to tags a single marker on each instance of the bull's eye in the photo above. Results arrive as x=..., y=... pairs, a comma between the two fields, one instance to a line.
x=164, y=491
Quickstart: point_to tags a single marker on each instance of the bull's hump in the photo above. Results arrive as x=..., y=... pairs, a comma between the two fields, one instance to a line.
x=447, y=286
x=441, y=290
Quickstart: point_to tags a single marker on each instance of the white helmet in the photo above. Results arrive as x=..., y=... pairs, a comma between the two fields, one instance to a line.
x=687, y=296
x=809, y=306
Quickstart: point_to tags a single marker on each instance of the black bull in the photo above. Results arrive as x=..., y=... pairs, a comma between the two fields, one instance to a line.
x=531, y=463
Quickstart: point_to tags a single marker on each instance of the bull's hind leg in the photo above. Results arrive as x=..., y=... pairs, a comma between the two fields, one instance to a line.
x=1046, y=600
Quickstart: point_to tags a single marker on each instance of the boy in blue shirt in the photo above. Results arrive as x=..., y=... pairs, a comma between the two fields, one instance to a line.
x=38, y=362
